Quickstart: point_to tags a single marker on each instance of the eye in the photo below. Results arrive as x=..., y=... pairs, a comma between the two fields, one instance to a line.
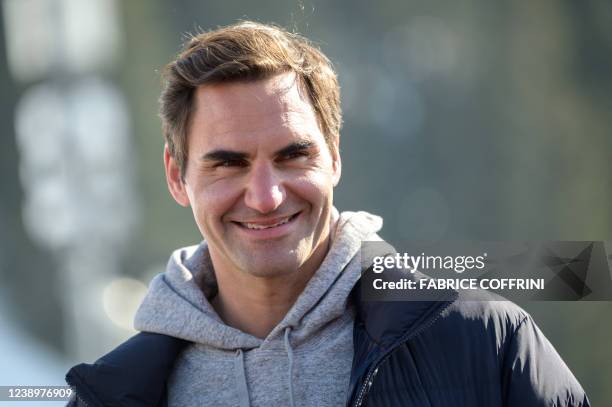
x=230, y=163
x=296, y=154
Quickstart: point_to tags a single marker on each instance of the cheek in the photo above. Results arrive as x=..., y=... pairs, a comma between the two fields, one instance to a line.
x=212, y=201
x=315, y=187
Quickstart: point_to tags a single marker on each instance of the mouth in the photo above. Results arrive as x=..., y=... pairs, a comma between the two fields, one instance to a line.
x=267, y=224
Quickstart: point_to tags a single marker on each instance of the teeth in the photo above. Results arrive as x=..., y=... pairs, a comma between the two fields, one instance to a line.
x=260, y=227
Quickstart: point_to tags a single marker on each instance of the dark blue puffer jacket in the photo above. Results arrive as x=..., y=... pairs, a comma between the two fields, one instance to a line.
x=458, y=352
x=452, y=352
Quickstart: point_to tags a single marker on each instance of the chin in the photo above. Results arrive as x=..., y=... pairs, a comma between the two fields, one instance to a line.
x=271, y=268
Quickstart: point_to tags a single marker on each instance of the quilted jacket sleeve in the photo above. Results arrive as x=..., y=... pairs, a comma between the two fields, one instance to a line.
x=534, y=373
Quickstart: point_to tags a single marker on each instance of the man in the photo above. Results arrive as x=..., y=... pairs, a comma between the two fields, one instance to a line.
x=267, y=311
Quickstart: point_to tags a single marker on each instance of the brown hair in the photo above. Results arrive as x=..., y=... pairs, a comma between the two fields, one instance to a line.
x=246, y=51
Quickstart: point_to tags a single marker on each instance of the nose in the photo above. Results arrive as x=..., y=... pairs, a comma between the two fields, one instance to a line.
x=264, y=191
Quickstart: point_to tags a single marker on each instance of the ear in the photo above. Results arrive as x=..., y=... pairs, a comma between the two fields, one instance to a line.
x=337, y=163
x=176, y=185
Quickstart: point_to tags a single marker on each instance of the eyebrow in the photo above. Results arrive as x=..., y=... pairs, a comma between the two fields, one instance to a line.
x=224, y=155
x=229, y=155
x=295, y=147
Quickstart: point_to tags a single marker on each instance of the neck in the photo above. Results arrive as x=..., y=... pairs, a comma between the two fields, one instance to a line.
x=259, y=309
x=255, y=305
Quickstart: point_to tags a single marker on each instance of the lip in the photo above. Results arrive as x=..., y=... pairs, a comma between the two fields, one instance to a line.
x=268, y=233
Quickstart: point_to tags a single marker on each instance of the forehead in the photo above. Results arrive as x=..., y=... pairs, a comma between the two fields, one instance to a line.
x=271, y=107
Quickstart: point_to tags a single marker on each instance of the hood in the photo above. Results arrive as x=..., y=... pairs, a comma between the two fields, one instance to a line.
x=177, y=303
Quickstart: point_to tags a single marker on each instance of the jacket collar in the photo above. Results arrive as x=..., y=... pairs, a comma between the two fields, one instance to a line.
x=383, y=324
x=134, y=374
x=389, y=318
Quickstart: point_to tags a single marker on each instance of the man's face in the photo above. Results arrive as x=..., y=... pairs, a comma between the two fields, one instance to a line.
x=259, y=176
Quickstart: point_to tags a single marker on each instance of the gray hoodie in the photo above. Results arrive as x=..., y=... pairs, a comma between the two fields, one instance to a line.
x=304, y=361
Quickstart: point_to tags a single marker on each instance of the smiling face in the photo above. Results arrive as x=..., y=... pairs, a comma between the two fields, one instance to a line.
x=259, y=176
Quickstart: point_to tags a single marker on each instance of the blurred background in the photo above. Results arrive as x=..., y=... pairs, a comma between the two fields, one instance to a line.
x=483, y=120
